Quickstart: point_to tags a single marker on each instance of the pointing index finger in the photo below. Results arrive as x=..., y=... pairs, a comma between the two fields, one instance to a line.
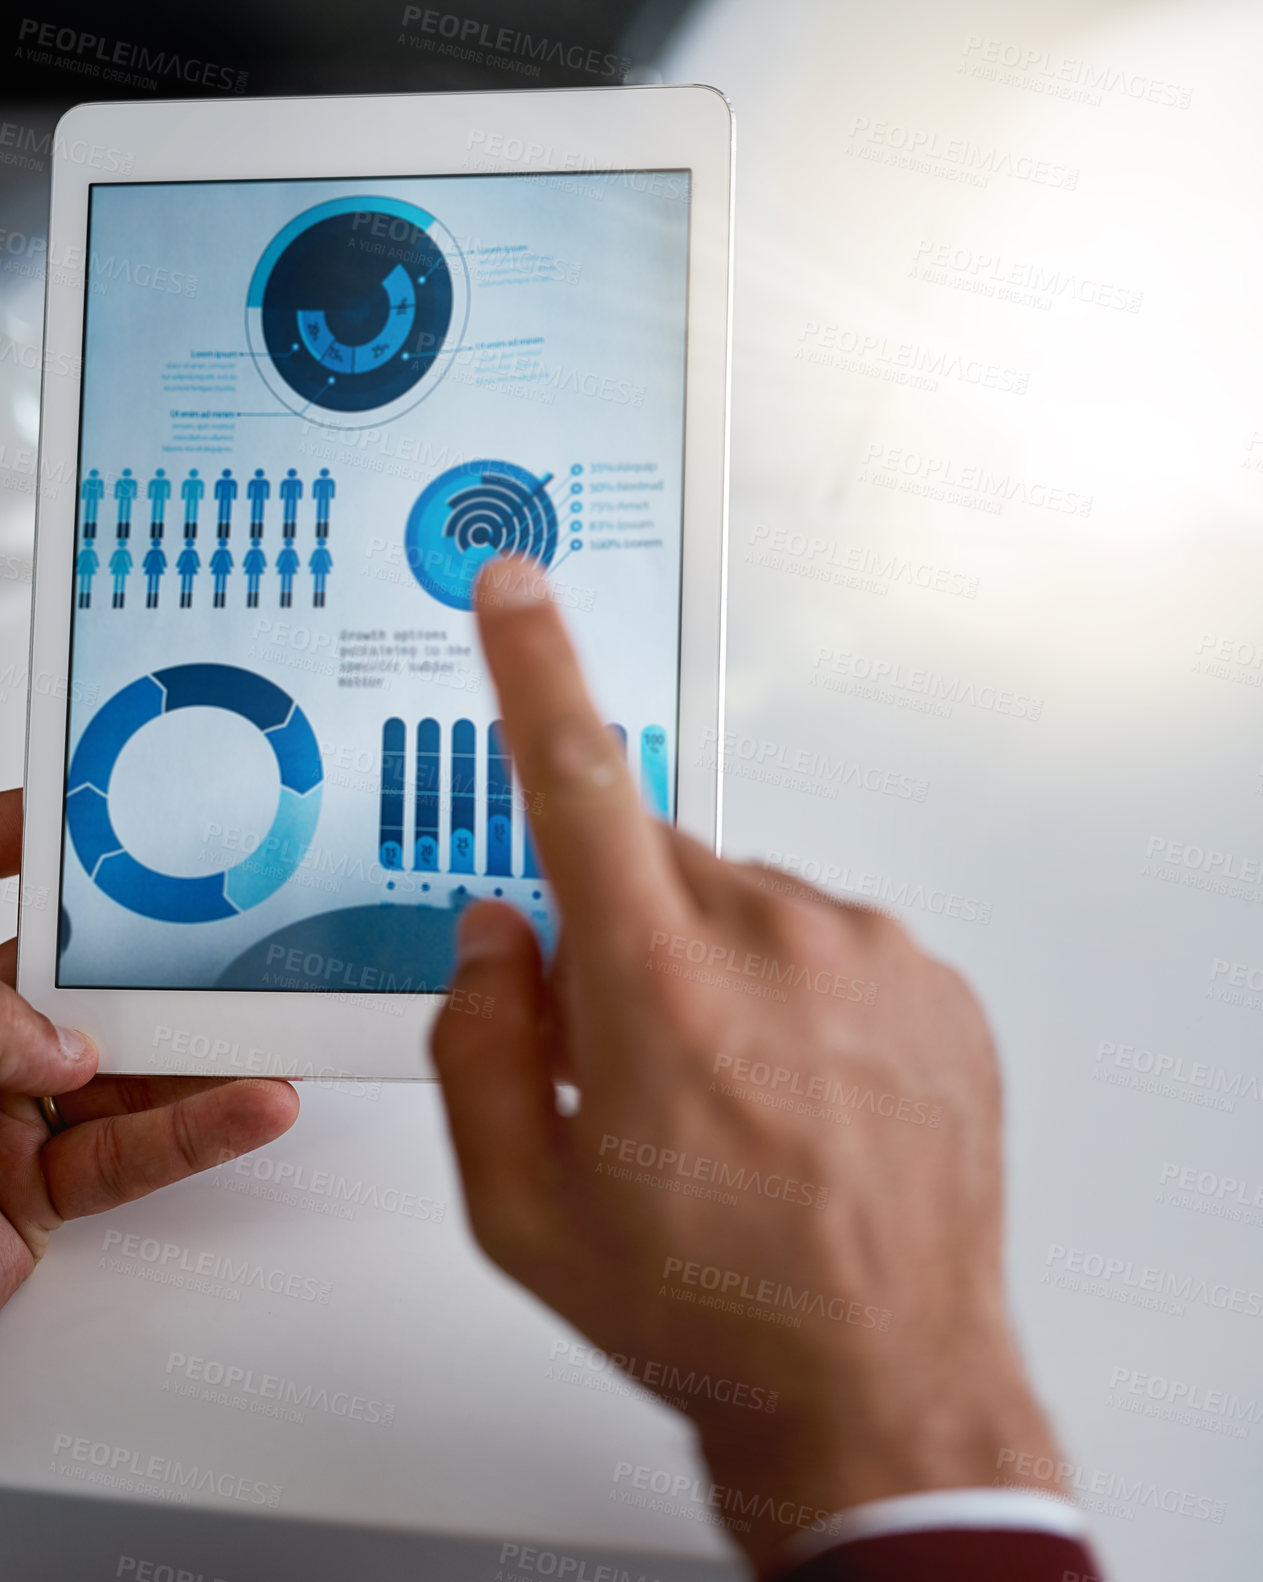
x=607, y=860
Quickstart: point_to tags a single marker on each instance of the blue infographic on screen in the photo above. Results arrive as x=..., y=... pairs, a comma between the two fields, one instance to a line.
x=328, y=406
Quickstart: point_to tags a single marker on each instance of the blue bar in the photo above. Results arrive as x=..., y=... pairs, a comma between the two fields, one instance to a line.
x=394, y=742
x=425, y=848
x=653, y=770
x=530, y=862
x=499, y=803
x=464, y=782
x=620, y=736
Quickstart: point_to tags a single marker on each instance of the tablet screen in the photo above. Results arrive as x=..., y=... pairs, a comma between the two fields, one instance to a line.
x=311, y=411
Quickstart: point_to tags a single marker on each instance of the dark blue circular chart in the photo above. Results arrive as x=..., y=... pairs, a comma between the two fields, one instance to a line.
x=227, y=892
x=351, y=305
x=469, y=515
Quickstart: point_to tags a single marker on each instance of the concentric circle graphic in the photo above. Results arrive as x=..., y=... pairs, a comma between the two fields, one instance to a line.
x=351, y=309
x=469, y=515
x=229, y=891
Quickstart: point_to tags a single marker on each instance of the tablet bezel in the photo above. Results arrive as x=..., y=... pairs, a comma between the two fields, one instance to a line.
x=567, y=131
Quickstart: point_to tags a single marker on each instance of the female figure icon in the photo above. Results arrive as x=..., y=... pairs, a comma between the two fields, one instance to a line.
x=155, y=563
x=220, y=565
x=254, y=565
x=120, y=570
x=320, y=564
x=85, y=569
x=287, y=565
x=188, y=565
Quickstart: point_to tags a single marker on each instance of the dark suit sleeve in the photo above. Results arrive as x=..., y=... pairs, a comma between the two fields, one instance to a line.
x=952, y=1555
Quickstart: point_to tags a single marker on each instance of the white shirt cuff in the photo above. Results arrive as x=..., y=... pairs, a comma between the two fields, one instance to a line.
x=1014, y=1510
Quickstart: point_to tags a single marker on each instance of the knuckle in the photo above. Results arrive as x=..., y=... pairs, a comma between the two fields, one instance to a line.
x=882, y=927
x=771, y=892
x=584, y=770
x=184, y=1139
x=575, y=759
x=803, y=930
x=108, y=1161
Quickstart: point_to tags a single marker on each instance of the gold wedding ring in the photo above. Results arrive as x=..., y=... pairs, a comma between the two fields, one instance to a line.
x=57, y=1122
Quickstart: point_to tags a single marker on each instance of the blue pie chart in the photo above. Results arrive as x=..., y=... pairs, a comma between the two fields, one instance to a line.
x=351, y=305
x=227, y=892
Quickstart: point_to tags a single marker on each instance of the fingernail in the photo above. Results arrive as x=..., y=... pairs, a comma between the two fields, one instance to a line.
x=73, y=1043
x=512, y=585
x=485, y=932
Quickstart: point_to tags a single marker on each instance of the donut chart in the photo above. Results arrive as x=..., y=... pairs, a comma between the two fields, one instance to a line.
x=351, y=306
x=227, y=892
x=469, y=515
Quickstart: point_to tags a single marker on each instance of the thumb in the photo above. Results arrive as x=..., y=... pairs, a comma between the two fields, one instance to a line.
x=35, y=1056
x=492, y=1063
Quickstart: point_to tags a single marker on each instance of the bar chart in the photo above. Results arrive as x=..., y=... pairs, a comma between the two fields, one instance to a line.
x=453, y=805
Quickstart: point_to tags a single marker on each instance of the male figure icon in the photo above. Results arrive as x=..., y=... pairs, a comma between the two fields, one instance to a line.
x=257, y=491
x=323, y=490
x=159, y=492
x=291, y=494
x=93, y=490
x=191, y=492
x=225, y=494
x=125, y=491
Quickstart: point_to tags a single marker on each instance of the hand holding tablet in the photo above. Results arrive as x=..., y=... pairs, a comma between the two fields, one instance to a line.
x=123, y=1137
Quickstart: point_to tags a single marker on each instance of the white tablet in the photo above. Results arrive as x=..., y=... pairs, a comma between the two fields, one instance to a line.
x=309, y=364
